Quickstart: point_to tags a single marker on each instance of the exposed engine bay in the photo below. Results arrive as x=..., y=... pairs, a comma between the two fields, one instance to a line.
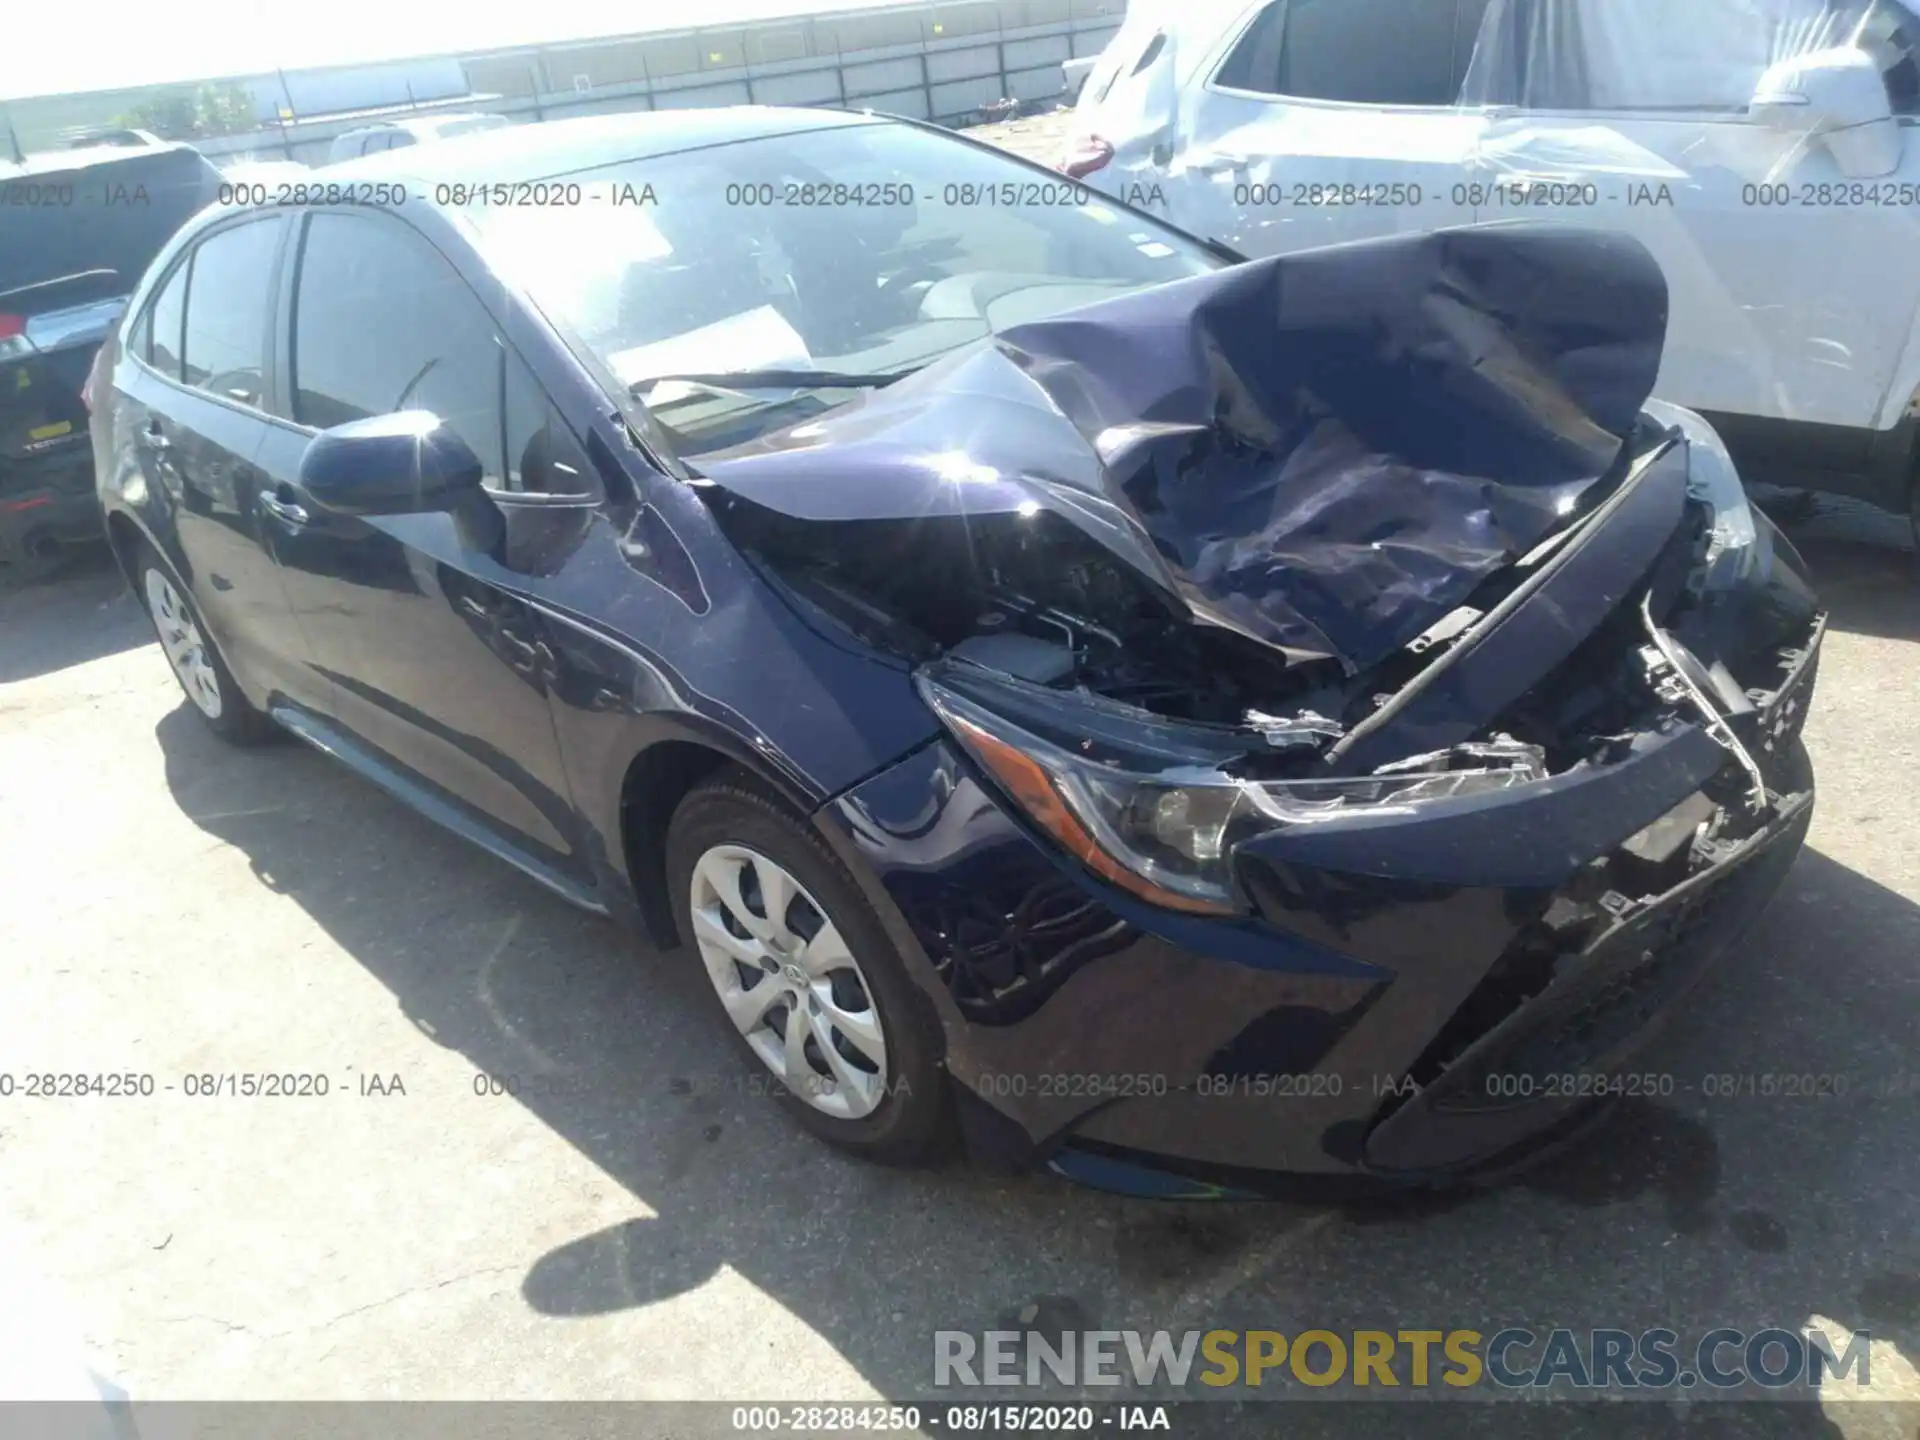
x=1032, y=597
x=1079, y=650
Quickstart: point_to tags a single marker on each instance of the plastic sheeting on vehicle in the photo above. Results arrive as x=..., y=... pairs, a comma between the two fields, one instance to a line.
x=1326, y=451
x=1772, y=181
x=1700, y=55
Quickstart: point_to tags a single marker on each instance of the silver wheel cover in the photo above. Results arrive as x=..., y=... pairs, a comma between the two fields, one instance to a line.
x=788, y=981
x=185, y=647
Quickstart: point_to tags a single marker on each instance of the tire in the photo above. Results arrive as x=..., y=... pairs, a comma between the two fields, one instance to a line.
x=731, y=824
x=30, y=559
x=205, y=681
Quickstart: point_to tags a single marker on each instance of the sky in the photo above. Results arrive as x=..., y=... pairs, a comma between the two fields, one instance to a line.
x=124, y=43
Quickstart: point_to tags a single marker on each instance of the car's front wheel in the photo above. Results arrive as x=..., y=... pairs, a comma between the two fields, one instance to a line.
x=805, y=972
x=196, y=663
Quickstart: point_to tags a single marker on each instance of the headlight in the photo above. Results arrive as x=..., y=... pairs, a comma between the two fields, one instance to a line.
x=1167, y=835
x=1736, y=546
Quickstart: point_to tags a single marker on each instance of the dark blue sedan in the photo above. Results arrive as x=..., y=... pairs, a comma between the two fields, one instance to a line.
x=1173, y=719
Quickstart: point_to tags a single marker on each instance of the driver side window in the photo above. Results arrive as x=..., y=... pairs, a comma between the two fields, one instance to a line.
x=382, y=323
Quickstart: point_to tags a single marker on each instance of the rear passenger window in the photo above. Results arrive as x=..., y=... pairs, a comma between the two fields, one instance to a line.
x=229, y=297
x=168, y=312
x=139, y=336
x=1364, y=52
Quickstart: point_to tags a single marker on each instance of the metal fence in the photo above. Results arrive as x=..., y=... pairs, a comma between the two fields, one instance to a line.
x=946, y=60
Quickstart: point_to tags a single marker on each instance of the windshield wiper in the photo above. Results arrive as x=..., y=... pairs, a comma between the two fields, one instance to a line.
x=742, y=380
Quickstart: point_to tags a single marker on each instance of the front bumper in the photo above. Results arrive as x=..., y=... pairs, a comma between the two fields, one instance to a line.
x=1415, y=1008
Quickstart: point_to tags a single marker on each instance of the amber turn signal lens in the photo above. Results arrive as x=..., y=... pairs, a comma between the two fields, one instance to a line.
x=1033, y=789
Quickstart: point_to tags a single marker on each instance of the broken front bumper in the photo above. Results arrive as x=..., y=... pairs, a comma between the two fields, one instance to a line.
x=1562, y=1050
x=1406, y=1002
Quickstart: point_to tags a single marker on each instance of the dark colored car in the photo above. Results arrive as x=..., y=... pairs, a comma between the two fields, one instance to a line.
x=77, y=231
x=1185, y=720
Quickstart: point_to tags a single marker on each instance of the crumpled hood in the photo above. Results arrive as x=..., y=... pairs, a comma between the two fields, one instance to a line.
x=1325, y=451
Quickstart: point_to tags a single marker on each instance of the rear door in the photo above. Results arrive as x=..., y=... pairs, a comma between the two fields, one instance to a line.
x=1322, y=121
x=435, y=663
x=195, y=406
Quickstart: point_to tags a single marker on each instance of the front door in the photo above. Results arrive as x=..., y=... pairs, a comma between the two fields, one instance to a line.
x=434, y=661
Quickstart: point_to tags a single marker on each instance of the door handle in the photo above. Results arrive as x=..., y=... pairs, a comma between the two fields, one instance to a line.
x=288, y=512
x=520, y=655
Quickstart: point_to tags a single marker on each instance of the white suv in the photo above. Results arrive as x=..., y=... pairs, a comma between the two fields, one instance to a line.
x=1766, y=151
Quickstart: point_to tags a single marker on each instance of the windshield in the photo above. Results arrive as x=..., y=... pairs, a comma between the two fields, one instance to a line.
x=865, y=249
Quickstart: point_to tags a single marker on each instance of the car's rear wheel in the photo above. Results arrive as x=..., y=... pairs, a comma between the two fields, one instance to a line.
x=804, y=973
x=195, y=661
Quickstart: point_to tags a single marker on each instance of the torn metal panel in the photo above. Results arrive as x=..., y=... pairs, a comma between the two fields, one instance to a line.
x=1325, y=452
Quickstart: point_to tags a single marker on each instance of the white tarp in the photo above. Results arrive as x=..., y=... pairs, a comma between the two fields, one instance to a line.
x=1706, y=55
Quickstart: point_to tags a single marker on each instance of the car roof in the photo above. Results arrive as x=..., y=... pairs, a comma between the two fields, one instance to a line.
x=50, y=162
x=420, y=124
x=446, y=118
x=559, y=147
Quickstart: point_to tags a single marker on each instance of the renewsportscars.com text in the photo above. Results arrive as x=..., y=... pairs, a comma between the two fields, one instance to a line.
x=1511, y=1358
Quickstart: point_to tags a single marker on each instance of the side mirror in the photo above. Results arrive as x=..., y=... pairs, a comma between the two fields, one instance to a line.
x=1837, y=98
x=401, y=464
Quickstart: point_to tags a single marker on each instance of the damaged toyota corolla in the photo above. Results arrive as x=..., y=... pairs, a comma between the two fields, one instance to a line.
x=1183, y=721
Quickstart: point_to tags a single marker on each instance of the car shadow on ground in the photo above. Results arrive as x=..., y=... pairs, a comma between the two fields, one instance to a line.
x=1863, y=564
x=82, y=613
